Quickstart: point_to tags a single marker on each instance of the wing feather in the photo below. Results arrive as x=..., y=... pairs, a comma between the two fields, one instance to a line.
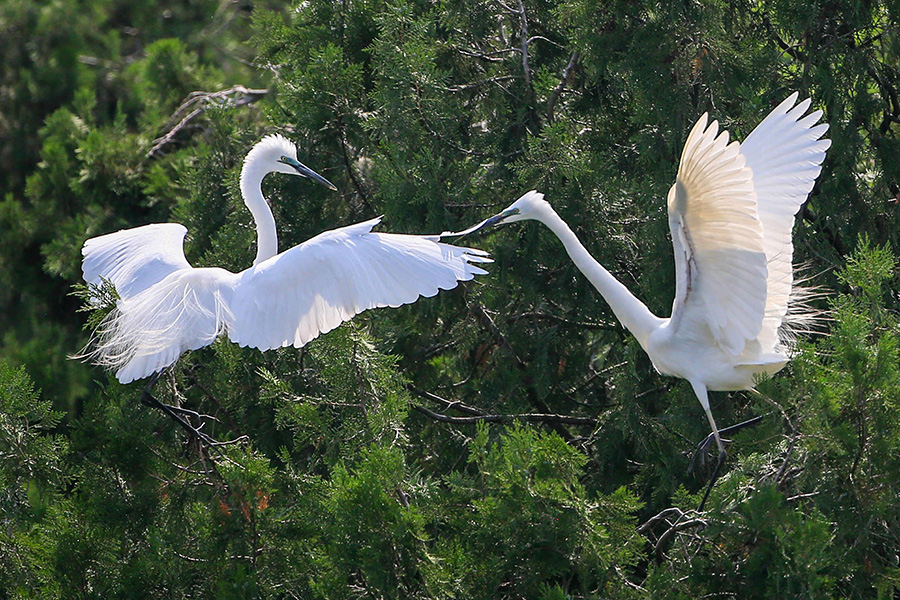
x=785, y=153
x=308, y=290
x=134, y=259
x=165, y=306
x=717, y=238
x=149, y=330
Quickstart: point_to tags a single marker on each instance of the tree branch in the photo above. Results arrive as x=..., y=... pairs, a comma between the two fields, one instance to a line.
x=791, y=51
x=564, y=321
x=477, y=84
x=529, y=417
x=659, y=547
x=526, y=67
x=447, y=404
x=530, y=391
x=551, y=103
x=199, y=102
x=360, y=190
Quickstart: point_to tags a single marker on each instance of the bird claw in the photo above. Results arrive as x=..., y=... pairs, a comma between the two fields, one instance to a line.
x=701, y=454
x=702, y=451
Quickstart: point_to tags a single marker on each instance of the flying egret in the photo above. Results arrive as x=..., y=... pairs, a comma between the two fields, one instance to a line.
x=167, y=307
x=731, y=211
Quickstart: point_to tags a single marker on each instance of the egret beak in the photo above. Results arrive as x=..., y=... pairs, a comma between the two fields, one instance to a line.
x=498, y=218
x=495, y=220
x=306, y=171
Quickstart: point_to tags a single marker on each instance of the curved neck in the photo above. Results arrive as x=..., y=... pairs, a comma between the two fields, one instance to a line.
x=251, y=190
x=630, y=311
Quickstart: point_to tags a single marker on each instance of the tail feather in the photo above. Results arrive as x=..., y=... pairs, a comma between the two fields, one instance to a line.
x=148, y=332
x=803, y=316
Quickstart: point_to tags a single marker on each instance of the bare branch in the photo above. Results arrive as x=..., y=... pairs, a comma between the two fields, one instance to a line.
x=678, y=526
x=529, y=417
x=543, y=39
x=662, y=515
x=567, y=72
x=477, y=84
x=447, y=404
x=199, y=102
x=488, y=56
x=360, y=189
x=564, y=321
x=523, y=20
x=790, y=50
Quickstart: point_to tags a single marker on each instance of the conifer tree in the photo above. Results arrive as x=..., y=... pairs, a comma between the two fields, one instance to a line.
x=507, y=439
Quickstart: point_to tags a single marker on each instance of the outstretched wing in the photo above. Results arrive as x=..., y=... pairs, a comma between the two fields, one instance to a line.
x=785, y=154
x=134, y=259
x=314, y=287
x=720, y=265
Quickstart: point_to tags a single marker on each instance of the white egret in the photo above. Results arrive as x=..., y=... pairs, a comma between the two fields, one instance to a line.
x=167, y=307
x=731, y=212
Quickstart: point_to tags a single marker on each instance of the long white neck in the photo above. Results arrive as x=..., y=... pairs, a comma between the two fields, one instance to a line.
x=251, y=189
x=630, y=311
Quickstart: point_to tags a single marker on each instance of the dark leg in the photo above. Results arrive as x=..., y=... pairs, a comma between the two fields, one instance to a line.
x=175, y=412
x=703, y=449
x=712, y=480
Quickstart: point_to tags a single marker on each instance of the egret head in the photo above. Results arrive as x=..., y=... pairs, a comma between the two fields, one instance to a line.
x=276, y=153
x=530, y=206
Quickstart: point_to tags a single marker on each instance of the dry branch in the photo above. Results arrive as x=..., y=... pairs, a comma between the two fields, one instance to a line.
x=199, y=102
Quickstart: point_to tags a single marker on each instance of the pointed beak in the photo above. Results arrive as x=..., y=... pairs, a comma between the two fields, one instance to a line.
x=491, y=221
x=306, y=171
x=498, y=218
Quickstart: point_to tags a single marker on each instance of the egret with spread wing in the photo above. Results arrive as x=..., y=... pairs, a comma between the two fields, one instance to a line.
x=731, y=212
x=167, y=307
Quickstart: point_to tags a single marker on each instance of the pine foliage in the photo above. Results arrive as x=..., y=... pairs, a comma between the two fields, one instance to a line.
x=505, y=439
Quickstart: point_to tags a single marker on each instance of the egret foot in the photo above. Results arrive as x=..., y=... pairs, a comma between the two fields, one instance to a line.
x=703, y=450
x=176, y=412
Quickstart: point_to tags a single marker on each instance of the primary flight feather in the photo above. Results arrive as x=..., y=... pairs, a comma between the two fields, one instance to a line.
x=167, y=307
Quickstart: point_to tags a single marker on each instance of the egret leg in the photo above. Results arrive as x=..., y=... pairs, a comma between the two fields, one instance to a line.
x=717, y=435
x=702, y=395
x=148, y=399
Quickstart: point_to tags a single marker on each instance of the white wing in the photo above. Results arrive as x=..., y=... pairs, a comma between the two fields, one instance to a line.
x=312, y=288
x=720, y=265
x=135, y=259
x=165, y=305
x=785, y=154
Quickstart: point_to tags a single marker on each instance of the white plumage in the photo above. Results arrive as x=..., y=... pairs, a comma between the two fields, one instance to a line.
x=731, y=211
x=167, y=307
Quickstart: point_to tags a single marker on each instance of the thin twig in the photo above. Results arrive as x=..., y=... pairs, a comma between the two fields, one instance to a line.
x=523, y=20
x=530, y=417
x=530, y=390
x=660, y=544
x=563, y=320
x=664, y=514
x=447, y=404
